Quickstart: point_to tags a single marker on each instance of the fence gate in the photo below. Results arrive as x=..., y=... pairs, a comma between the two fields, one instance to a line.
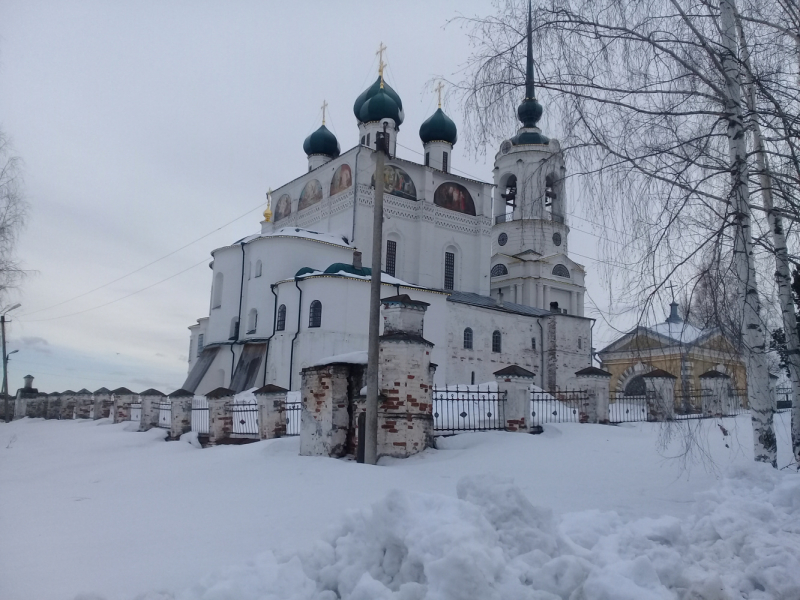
x=292, y=408
x=245, y=417
x=468, y=408
x=626, y=409
x=557, y=407
x=200, y=414
x=136, y=412
x=165, y=415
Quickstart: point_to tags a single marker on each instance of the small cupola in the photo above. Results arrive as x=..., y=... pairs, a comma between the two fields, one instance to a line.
x=529, y=111
x=321, y=146
x=438, y=134
x=376, y=105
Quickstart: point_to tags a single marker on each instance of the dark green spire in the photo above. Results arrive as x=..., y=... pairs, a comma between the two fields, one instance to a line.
x=529, y=111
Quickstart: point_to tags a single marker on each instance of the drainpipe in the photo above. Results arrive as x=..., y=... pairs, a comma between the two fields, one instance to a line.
x=299, y=310
x=269, y=339
x=541, y=350
x=239, y=318
x=591, y=343
x=355, y=193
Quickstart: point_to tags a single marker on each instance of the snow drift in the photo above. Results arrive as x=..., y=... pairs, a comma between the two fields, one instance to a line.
x=742, y=541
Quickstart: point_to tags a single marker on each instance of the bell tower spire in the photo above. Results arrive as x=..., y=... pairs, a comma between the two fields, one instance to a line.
x=529, y=111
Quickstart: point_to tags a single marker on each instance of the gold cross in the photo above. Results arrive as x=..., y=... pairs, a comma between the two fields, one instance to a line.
x=324, y=106
x=381, y=64
x=439, y=89
x=269, y=198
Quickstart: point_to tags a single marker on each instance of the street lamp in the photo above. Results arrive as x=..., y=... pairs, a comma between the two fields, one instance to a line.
x=5, y=360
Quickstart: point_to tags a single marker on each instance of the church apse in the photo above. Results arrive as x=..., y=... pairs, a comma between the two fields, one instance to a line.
x=311, y=194
x=454, y=196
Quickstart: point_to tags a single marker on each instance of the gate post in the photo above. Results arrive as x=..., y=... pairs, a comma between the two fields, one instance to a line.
x=514, y=382
x=596, y=381
x=53, y=409
x=715, y=387
x=660, y=395
x=181, y=417
x=271, y=401
x=68, y=404
x=103, y=404
x=324, y=417
x=220, y=419
x=122, y=399
x=83, y=404
x=151, y=401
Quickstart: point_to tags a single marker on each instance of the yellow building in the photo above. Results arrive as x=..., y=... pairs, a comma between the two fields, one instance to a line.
x=675, y=347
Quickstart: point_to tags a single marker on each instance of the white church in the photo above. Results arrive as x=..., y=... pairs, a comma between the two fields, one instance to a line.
x=491, y=260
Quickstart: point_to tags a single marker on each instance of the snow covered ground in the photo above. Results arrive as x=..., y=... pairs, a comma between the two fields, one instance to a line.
x=90, y=510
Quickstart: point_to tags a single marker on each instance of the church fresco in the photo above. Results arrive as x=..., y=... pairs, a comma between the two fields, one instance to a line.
x=397, y=183
x=342, y=179
x=311, y=194
x=454, y=196
x=284, y=207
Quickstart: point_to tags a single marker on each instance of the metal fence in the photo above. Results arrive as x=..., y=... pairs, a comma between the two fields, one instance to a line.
x=626, y=409
x=700, y=405
x=468, y=408
x=292, y=412
x=165, y=414
x=245, y=417
x=784, y=398
x=557, y=407
x=136, y=412
x=200, y=415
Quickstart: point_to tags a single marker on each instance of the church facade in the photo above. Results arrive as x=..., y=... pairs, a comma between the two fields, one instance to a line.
x=491, y=260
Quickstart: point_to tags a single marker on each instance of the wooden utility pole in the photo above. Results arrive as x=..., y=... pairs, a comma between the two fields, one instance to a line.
x=371, y=423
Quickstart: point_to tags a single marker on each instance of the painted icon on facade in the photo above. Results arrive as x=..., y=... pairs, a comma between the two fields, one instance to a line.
x=284, y=207
x=342, y=179
x=311, y=194
x=397, y=183
x=454, y=196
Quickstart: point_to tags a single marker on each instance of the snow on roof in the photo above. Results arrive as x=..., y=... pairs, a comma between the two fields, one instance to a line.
x=297, y=232
x=352, y=358
x=385, y=278
x=683, y=333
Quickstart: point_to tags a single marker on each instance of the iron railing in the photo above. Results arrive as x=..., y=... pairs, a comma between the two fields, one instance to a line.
x=136, y=412
x=626, y=409
x=699, y=405
x=165, y=415
x=244, y=417
x=292, y=412
x=200, y=415
x=468, y=408
x=557, y=407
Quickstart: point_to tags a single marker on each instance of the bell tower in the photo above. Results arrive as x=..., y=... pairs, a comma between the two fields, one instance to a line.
x=530, y=232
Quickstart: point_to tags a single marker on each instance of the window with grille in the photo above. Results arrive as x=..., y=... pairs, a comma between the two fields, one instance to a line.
x=427, y=159
x=533, y=343
x=391, y=257
x=281, y=324
x=497, y=342
x=561, y=271
x=499, y=270
x=315, y=314
x=580, y=344
x=449, y=270
x=444, y=162
x=468, y=339
x=200, y=344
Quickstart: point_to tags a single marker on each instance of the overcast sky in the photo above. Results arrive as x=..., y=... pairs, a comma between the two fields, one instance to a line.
x=145, y=126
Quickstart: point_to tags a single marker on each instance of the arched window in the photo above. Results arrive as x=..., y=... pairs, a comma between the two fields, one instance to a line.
x=636, y=387
x=391, y=257
x=200, y=339
x=497, y=342
x=216, y=298
x=561, y=271
x=234, y=329
x=549, y=190
x=258, y=268
x=444, y=162
x=315, y=314
x=499, y=270
x=449, y=270
x=281, y=324
x=510, y=195
x=468, y=339
x=252, y=320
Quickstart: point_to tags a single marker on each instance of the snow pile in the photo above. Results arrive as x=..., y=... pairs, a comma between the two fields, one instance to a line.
x=491, y=543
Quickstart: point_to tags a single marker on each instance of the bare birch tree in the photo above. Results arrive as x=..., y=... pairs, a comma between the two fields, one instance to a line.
x=13, y=210
x=649, y=99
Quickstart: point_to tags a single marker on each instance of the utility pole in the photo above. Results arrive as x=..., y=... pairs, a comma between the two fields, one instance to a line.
x=5, y=362
x=371, y=423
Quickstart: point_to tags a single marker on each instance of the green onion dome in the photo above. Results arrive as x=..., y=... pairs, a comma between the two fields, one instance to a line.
x=438, y=127
x=322, y=141
x=376, y=103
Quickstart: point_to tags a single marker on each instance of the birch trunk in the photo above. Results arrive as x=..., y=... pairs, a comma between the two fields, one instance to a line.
x=783, y=276
x=753, y=338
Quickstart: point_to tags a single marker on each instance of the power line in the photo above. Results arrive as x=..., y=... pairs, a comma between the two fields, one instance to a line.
x=143, y=267
x=80, y=312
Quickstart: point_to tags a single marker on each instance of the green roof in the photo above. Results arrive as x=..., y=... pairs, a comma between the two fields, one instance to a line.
x=376, y=103
x=348, y=268
x=438, y=127
x=322, y=141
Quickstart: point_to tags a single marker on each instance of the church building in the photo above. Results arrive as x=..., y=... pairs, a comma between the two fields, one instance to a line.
x=490, y=259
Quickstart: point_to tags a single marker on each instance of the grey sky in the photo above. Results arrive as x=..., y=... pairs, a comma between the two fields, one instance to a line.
x=146, y=125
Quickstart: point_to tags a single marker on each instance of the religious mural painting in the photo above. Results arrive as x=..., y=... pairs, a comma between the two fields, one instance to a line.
x=311, y=194
x=342, y=179
x=397, y=183
x=454, y=196
x=284, y=207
